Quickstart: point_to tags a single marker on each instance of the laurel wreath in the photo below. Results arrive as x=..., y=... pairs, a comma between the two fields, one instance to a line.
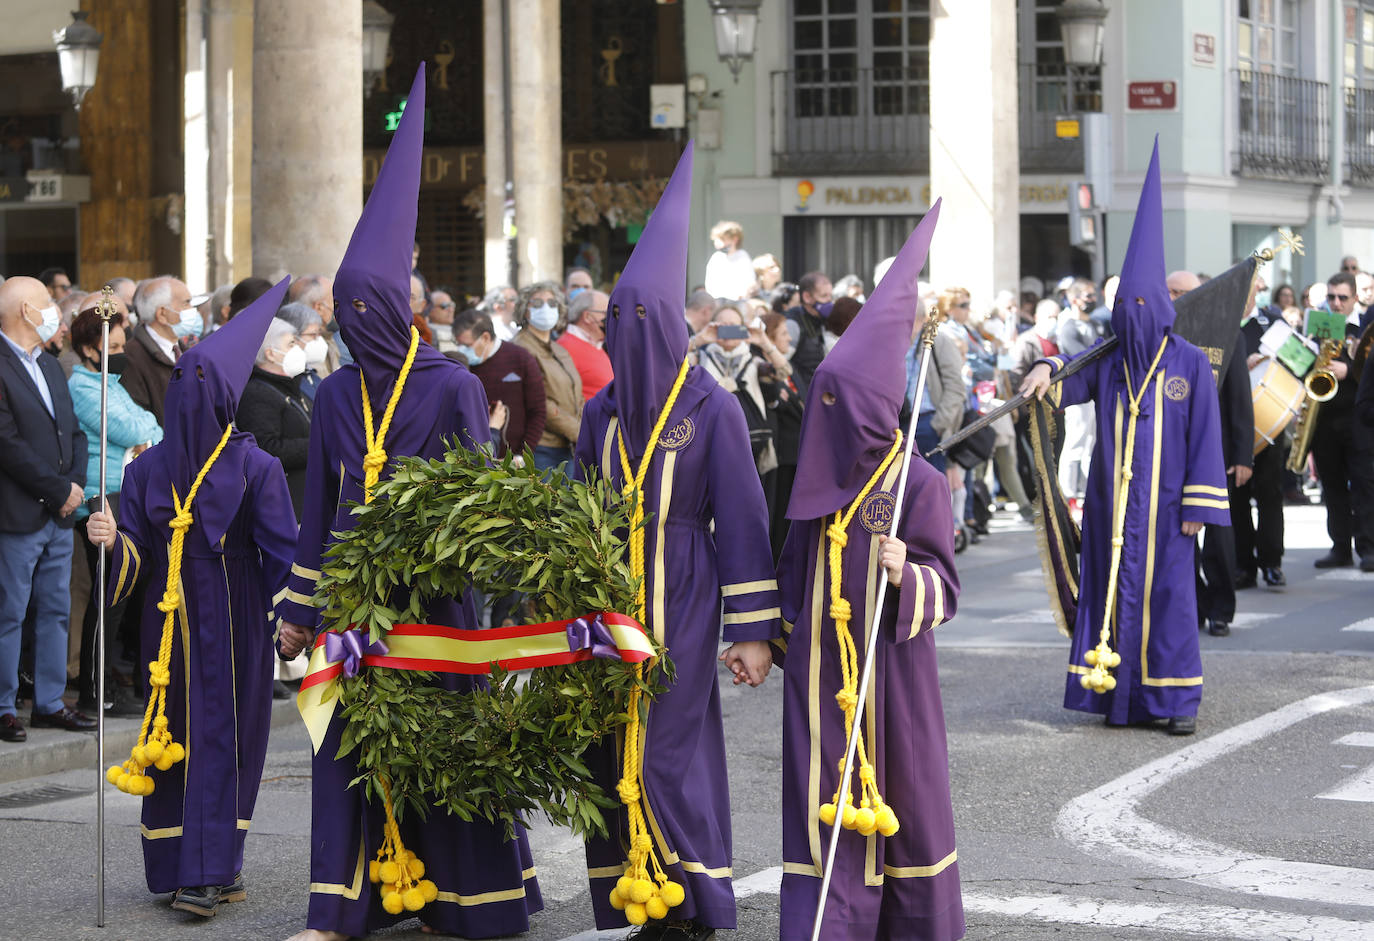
x=517, y=747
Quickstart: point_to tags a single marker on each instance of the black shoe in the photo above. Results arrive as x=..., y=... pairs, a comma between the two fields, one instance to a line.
x=1367, y=565
x=124, y=704
x=280, y=690
x=73, y=720
x=653, y=931
x=12, y=729
x=235, y=892
x=1273, y=577
x=1245, y=580
x=1218, y=628
x=1182, y=725
x=1333, y=560
x=687, y=931
x=202, y=900
x=25, y=686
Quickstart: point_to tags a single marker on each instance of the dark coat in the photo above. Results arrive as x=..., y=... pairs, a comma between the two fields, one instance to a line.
x=1237, y=410
x=41, y=455
x=275, y=412
x=147, y=372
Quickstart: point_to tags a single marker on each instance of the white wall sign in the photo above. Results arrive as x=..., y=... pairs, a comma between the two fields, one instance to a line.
x=899, y=195
x=1204, y=49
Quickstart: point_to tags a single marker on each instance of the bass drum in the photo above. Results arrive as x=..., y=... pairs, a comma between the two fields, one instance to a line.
x=1278, y=397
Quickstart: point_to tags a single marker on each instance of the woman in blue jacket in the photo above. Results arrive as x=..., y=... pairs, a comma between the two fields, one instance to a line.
x=129, y=429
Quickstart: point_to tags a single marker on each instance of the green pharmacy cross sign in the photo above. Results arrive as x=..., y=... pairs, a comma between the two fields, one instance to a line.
x=392, y=119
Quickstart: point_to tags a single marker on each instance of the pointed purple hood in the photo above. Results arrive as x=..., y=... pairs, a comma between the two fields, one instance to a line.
x=202, y=399
x=856, y=393
x=1143, y=313
x=646, y=332
x=372, y=285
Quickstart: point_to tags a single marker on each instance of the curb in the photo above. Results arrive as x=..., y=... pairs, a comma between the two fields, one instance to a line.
x=49, y=751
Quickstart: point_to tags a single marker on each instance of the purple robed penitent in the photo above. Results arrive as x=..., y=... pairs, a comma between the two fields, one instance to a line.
x=486, y=883
x=906, y=885
x=1176, y=476
x=234, y=559
x=707, y=564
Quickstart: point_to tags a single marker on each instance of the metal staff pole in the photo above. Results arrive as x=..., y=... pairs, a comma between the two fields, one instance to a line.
x=927, y=341
x=106, y=311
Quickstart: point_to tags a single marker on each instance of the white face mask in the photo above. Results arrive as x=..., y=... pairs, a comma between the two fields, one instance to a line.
x=293, y=363
x=543, y=317
x=190, y=324
x=51, y=319
x=315, y=351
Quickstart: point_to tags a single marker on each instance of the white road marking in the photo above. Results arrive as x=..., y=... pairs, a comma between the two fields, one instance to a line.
x=1207, y=920
x=1249, y=619
x=1036, y=573
x=1346, y=575
x=1366, y=625
x=1359, y=787
x=1106, y=819
x=1033, y=616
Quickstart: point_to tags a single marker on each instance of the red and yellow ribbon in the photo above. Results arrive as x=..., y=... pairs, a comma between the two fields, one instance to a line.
x=435, y=648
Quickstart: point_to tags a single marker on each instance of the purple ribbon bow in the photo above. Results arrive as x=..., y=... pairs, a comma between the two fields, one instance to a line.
x=348, y=646
x=594, y=635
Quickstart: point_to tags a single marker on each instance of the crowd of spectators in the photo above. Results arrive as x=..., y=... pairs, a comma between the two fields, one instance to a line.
x=538, y=351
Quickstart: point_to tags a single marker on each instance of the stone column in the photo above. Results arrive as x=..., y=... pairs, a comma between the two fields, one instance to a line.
x=229, y=111
x=307, y=134
x=537, y=130
x=494, y=116
x=974, y=152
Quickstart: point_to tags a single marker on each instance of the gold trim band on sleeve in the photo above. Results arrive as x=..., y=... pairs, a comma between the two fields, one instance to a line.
x=308, y=574
x=299, y=598
x=1204, y=488
x=748, y=588
x=750, y=617
x=1206, y=503
x=921, y=872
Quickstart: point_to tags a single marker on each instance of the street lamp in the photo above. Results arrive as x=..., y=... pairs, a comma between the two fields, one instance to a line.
x=1081, y=25
x=735, y=22
x=376, y=37
x=78, y=53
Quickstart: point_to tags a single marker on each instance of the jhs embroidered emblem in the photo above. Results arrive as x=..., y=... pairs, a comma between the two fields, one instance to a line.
x=876, y=512
x=678, y=437
x=1176, y=388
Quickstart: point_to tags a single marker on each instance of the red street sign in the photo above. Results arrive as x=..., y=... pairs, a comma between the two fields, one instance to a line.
x=1152, y=96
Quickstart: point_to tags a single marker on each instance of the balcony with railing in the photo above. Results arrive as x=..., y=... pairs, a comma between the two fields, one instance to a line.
x=1359, y=136
x=1283, y=127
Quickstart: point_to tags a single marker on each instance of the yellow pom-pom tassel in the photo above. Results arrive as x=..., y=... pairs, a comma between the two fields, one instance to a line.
x=153, y=750
x=413, y=899
x=617, y=902
x=374, y=871
x=148, y=785
x=1115, y=659
x=122, y=782
x=393, y=903
x=140, y=756
x=429, y=890
x=1108, y=683
x=864, y=821
x=828, y=814
x=1090, y=658
x=886, y=821
x=113, y=773
x=1085, y=681
x=848, y=816
x=672, y=894
x=164, y=762
x=623, y=886
x=176, y=751
x=389, y=871
x=656, y=908
x=635, y=913
x=416, y=868
x=641, y=891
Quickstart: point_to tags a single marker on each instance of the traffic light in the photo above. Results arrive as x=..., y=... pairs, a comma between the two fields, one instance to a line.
x=1082, y=216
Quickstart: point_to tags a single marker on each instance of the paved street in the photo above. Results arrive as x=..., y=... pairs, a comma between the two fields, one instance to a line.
x=1258, y=827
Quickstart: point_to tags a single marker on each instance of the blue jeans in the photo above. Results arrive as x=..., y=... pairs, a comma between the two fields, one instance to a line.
x=37, y=564
x=926, y=438
x=546, y=458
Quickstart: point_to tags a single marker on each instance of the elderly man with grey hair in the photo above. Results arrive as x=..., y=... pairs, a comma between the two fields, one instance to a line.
x=499, y=304
x=165, y=315
x=272, y=407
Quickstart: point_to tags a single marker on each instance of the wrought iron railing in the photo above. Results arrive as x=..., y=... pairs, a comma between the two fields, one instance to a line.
x=1283, y=127
x=1359, y=136
x=878, y=120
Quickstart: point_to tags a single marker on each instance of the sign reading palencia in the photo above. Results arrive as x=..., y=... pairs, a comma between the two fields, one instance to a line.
x=894, y=195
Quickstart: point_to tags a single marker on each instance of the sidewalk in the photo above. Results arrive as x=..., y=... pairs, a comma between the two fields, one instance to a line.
x=51, y=750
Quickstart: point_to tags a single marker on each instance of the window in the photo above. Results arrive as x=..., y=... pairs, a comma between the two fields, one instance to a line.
x=855, y=57
x=1359, y=44
x=1267, y=36
x=1048, y=84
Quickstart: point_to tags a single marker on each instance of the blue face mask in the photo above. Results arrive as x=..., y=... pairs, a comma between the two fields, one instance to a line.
x=574, y=292
x=543, y=317
x=468, y=354
x=190, y=324
x=1263, y=298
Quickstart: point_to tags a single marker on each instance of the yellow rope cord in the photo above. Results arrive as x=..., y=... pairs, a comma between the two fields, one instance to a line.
x=375, y=458
x=399, y=871
x=634, y=893
x=1102, y=658
x=873, y=813
x=158, y=749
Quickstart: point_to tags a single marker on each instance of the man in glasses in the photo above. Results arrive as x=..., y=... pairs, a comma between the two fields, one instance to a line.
x=441, y=310
x=1343, y=450
x=1350, y=265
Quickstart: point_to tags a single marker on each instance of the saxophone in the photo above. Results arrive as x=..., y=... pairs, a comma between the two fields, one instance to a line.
x=1321, y=387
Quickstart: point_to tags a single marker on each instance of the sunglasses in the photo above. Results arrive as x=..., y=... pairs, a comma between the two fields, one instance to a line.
x=1339, y=297
x=448, y=306
x=964, y=305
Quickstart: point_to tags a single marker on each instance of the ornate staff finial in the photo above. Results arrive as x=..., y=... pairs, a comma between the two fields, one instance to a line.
x=106, y=309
